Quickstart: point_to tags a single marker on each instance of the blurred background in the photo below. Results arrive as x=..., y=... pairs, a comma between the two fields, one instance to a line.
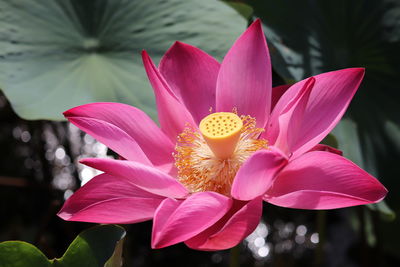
x=57, y=54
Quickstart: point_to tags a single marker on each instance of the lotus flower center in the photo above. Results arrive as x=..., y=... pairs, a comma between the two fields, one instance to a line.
x=208, y=158
x=221, y=131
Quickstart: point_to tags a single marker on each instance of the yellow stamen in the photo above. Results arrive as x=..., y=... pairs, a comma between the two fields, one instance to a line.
x=199, y=169
x=221, y=131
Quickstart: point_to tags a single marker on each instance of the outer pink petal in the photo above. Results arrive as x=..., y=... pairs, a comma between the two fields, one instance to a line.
x=257, y=173
x=172, y=114
x=178, y=220
x=281, y=122
x=245, y=78
x=118, y=125
x=113, y=137
x=109, y=199
x=192, y=76
x=323, y=180
x=326, y=105
x=145, y=177
x=231, y=229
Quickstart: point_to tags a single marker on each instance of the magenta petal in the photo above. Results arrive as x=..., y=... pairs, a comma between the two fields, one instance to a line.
x=145, y=177
x=231, y=229
x=178, y=220
x=287, y=117
x=244, y=80
x=257, y=173
x=113, y=137
x=172, y=114
x=192, y=76
x=323, y=180
x=329, y=99
x=109, y=199
x=120, y=127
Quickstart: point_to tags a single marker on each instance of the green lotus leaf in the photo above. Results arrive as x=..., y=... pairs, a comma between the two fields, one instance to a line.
x=57, y=54
x=21, y=254
x=96, y=247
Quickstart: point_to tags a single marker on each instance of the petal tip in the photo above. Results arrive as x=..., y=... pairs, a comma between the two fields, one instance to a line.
x=85, y=161
x=358, y=71
x=176, y=47
x=377, y=194
x=153, y=244
x=256, y=23
x=70, y=112
x=178, y=44
x=64, y=215
x=144, y=54
x=85, y=108
x=180, y=47
x=157, y=241
x=158, y=246
x=361, y=72
x=384, y=192
x=256, y=26
x=67, y=113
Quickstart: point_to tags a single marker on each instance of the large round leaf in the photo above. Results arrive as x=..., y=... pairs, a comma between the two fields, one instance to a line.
x=57, y=54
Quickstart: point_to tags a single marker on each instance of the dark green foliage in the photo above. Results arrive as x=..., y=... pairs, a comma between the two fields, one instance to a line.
x=92, y=248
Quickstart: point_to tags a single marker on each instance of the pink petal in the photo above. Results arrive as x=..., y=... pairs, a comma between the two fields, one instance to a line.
x=277, y=92
x=122, y=127
x=281, y=122
x=257, y=173
x=178, y=220
x=231, y=229
x=113, y=137
x=323, y=180
x=145, y=177
x=244, y=80
x=172, y=114
x=321, y=147
x=108, y=199
x=192, y=76
x=329, y=99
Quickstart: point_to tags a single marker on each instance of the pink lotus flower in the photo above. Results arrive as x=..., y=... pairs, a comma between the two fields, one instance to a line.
x=202, y=176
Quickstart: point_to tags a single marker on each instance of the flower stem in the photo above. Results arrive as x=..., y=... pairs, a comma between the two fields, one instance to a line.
x=235, y=256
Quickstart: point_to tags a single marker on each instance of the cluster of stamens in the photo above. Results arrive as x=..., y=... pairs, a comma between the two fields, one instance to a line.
x=208, y=158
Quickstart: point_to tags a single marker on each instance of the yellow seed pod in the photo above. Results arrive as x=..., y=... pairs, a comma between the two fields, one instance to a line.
x=221, y=131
